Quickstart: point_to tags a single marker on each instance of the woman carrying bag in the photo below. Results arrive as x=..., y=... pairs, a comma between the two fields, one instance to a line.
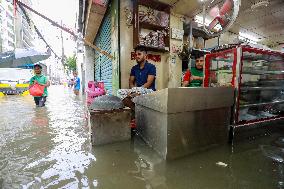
x=38, y=86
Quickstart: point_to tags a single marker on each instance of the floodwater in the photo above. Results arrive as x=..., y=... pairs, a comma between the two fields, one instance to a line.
x=50, y=147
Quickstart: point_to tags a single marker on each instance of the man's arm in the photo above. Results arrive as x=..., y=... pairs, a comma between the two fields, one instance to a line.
x=186, y=79
x=151, y=77
x=31, y=83
x=150, y=80
x=131, y=82
x=47, y=84
x=132, y=78
x=196, y=78
x=75, y=81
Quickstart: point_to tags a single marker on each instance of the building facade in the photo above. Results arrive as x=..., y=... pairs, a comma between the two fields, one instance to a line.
x=24, y=33
x=14, y=28
x=7, y=26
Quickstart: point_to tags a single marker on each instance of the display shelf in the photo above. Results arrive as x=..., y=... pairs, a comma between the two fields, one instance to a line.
x=261, y=104
x=262, y=59
x=272, y=81
x=218, y=70
x=154, y=49
x=257, y=83
x=146, y=25
x=155, y=5
x=263, y=88
x=152, y=26
x=261, y=72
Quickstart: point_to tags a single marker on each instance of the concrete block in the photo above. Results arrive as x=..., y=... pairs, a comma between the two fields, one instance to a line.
x=110, y=126
x=178, y=122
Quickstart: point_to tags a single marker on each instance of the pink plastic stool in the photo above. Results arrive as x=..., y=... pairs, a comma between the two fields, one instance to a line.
x=94, y=90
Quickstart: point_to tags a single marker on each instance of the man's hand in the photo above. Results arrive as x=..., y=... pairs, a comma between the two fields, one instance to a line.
x=35, y=82
x=195, y=78
x=185, y=83
x=47, y=84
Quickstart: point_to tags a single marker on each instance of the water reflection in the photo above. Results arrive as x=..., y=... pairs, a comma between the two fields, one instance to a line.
x=275, y=152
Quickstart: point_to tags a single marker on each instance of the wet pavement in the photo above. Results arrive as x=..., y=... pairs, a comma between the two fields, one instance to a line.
x=50, y=147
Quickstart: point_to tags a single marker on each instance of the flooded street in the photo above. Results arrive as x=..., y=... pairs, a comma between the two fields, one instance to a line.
x=50, y=147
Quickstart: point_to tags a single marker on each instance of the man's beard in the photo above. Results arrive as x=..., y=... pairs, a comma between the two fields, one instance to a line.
x=199, y=68
x=139, y=62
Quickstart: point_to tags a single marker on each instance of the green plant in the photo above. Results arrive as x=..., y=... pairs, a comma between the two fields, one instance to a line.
x=70, y=63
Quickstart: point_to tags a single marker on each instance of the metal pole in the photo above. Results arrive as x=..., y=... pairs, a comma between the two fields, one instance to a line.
x=204, y=15
x=190, y=36
x=62, y=47
x=36, y=29
x=190, y=45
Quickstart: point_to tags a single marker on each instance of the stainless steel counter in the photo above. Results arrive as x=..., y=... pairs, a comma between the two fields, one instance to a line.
x=180, y=121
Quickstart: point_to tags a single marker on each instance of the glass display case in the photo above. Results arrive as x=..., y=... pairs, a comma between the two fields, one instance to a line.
x=258, y=78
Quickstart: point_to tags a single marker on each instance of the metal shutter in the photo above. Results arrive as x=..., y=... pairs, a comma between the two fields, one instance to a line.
x=103, y=64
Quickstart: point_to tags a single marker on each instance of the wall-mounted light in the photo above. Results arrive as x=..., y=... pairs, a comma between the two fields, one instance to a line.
x=263, y=3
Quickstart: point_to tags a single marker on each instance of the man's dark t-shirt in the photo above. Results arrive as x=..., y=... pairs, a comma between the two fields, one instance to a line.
x=141, y=75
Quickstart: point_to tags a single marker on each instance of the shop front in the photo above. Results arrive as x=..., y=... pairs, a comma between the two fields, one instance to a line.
x=233, y=92
x=156, y=27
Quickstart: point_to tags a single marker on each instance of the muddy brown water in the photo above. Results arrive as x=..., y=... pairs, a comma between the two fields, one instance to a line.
x=50, y=147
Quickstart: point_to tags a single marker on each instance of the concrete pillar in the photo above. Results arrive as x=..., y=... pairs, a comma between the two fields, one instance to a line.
x=175, y=63
x=89, y=65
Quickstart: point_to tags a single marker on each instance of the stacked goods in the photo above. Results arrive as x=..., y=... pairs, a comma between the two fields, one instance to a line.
x=276, y=65
x=161, y=40
x=153, y=39
x=142, y=40
x=154, y=17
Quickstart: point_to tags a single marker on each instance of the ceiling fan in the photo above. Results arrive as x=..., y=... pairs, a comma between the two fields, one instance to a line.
x=222, y=15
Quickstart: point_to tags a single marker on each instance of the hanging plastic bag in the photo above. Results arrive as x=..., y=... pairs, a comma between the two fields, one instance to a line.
x=37, y=90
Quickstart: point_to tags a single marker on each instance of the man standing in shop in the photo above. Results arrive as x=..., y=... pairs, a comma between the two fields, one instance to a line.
x=41, y=80
x=77, y=83
x=194, y=77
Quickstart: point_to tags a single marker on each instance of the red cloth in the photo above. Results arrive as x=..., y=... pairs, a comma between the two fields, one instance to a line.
x=187, y=76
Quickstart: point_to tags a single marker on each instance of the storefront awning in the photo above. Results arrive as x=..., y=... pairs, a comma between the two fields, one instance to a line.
x=94, y=17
